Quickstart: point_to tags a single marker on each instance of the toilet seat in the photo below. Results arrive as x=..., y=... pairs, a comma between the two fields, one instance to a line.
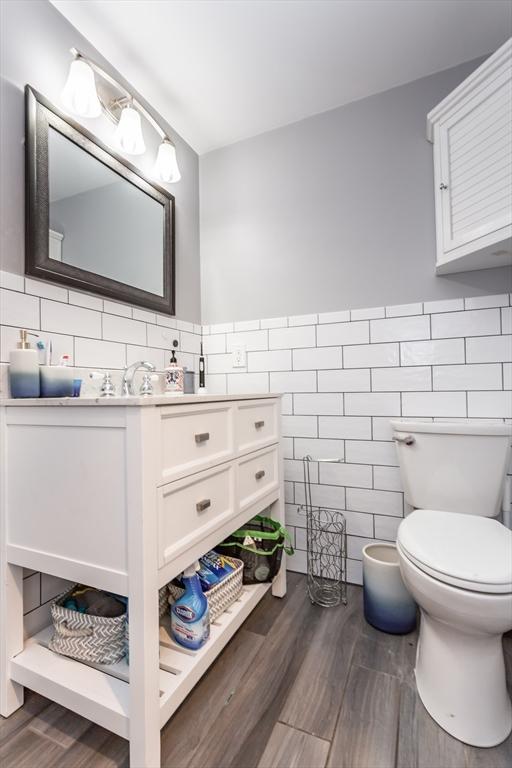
x=467, y=551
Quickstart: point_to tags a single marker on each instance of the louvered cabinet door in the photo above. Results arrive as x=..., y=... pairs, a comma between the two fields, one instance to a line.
x=474, y=169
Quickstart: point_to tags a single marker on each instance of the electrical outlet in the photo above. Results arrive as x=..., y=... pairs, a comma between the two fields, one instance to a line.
x=239, y=356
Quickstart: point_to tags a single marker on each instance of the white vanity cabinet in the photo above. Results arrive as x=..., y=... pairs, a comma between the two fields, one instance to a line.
x=122, y=495
x=471, y=130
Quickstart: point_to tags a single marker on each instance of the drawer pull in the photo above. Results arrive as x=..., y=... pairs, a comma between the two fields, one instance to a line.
x=202, y=437
x=259, y=424
x=260, y=474
x=202, y=505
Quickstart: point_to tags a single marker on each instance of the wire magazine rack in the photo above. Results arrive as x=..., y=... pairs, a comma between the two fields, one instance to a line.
x=326, y=534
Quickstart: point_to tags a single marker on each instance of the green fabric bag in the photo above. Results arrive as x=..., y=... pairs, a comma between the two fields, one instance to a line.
x=260, y=544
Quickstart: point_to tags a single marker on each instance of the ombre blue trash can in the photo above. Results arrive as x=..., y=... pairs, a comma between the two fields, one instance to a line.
x=388, y=605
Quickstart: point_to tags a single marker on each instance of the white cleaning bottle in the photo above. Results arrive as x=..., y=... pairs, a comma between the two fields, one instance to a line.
x=190, y=617
x=24, y=368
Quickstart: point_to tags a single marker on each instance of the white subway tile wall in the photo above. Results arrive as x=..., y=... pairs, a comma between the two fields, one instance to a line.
x=345, y=374
x=98, y=335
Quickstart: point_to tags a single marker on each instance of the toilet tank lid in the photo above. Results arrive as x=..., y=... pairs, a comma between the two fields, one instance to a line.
x=495, y=429
x=468, y=548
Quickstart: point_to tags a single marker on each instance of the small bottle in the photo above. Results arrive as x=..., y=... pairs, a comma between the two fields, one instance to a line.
x=174, y=377
x=190, y=617
x=24, y=368
x=202, y=384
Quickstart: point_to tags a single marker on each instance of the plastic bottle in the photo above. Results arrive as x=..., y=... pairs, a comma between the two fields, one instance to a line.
x=174, y=377
x=24, y=368
x=190, y=618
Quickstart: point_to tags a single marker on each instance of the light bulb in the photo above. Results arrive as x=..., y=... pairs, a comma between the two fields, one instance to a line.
x=166, y=164
x=79, y=94
x=129, y=132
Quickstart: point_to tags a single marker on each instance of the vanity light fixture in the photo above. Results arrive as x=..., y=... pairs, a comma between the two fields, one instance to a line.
x=166, y=167
x=80, y=97
x=79, y=94
x=129, y=132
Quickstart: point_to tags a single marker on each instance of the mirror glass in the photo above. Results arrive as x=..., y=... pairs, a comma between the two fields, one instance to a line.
x=100, y=221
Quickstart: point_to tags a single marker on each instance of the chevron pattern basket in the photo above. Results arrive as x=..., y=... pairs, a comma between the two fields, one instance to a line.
x=219, y=597
x=87, y=638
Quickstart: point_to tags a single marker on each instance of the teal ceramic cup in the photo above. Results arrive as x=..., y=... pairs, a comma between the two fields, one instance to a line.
x=56, y=381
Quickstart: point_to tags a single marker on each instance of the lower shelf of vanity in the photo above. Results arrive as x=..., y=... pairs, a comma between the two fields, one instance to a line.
x=101, y=693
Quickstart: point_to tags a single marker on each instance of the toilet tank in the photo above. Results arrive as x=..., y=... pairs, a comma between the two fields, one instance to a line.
x=455, y=467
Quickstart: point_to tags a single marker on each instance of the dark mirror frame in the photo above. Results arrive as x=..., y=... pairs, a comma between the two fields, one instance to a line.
x=40, y=114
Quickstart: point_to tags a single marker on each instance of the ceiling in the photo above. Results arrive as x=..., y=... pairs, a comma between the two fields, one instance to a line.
x=222, y=70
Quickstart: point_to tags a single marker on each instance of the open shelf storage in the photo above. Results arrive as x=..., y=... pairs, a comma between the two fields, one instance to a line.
x=101, y=692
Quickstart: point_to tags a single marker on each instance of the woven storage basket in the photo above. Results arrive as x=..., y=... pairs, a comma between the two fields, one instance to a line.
x=219, y=597
x=87, y=638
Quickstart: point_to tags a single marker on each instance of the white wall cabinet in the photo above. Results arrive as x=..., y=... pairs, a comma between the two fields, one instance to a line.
x=123, y=494
x=471, y=130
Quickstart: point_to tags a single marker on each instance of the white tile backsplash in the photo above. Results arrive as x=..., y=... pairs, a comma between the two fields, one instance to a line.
x=371, y=356
x=356, y=380
x=341, y=390
x=482, y=302
x=334, y=317
x=291, y=338
x=273, y=360
x=434, y=404
x=316, y=358
x=76, y=321
x=444, y=305
x=478, y=322
x=439, y=352
x=114, y=308
x=345, y=427
x=416, y=327
x=343, y=333
x=489, y=349
x=92, y=353
x=372, y=404
x=123, y=329
x=481, y=376
x=348, y=373
x=45, y=290
x=251, y=340
x=19, y=309
x=415, y=378
x=318, y=404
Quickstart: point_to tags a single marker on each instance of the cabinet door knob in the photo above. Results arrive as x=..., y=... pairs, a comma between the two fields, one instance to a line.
x=259, y=424
x=260, y=474
x=443, y=186
x=204, y=504
x=202, y=437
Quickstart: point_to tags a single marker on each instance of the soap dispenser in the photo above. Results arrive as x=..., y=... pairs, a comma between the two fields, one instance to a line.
x=24, y=368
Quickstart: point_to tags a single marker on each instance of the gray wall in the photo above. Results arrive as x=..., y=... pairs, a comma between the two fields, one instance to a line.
x=35, y=42
x=333, y=212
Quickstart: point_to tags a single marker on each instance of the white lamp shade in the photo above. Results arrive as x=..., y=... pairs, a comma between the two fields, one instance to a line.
x=129, y=132
x=79, y=95
x=166, y=164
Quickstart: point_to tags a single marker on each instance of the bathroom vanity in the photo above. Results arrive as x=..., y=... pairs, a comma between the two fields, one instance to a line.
x=122, y=494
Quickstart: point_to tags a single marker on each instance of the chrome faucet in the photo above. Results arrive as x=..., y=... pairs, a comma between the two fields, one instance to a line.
x=129, y=373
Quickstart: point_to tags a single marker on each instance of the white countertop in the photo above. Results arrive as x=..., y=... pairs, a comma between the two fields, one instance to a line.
x=129, y=401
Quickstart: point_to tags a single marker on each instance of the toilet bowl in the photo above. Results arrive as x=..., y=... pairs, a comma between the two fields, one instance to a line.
x=464, y=590
x=456, y=561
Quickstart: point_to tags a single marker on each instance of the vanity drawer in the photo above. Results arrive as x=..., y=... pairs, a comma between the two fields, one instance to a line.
x=257, y=423
x=192, y=508
x=195, y=437
x=258, y=475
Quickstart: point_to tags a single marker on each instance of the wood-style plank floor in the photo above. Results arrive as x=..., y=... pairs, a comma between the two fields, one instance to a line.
x=297, y=687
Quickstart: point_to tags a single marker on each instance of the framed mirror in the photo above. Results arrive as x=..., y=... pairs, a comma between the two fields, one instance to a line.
x=93, y=222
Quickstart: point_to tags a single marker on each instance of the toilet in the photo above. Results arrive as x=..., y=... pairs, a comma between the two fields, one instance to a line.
x=456, y=561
